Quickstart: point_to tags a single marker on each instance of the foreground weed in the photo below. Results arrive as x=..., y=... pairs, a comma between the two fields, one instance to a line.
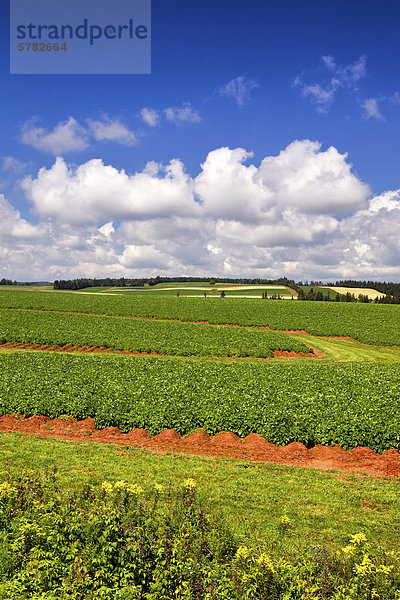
x=121, y=541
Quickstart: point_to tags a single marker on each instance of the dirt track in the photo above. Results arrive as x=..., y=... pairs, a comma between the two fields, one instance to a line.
x=254, y=447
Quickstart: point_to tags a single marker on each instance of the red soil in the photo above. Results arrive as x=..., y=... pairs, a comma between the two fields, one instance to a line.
x=254, y=447
x=70, y=348
x=293, y=354
x=296, y=331
x=16, y=346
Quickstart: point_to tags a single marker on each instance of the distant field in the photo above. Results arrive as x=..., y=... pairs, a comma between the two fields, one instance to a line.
x=324, y=290
x=332, y=291
x=372, y=294
x=351, y=398
x=26, y=288
x=196, y=289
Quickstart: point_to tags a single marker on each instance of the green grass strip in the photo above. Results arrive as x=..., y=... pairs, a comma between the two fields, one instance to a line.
x=322, y=507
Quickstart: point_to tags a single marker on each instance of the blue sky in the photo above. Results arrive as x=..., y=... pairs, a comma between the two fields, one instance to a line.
x=269, y=77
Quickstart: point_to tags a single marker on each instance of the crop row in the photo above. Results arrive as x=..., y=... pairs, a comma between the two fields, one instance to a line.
x=351, y=405
x=141, y=335
x=369, y=323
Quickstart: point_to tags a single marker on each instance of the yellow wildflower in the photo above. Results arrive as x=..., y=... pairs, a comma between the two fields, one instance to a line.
x=265, y=561
x=158, y=487
x=189, y=483
x=242, y=553
x=366, y=566
x=135, y=489
x=358, y=538
x=107, y=487
x=285, y=520
x=386, y=569
x=6, y=487
x=119, y=485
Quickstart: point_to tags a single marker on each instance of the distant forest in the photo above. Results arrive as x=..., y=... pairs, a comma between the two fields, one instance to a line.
x=10, y=282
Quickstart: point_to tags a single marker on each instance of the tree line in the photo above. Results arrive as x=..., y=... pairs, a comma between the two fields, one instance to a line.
x=5, y=281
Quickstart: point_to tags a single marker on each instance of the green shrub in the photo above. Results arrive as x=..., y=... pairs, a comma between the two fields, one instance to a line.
x=109, y=541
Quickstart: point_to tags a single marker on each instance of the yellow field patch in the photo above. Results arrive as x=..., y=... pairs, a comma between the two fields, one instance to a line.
x=372, y=294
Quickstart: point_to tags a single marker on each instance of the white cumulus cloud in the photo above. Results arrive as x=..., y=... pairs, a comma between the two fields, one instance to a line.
x=67, y=136
x=96, y=192
x=143, y=257
x=113, y=130
x=301, y=178
x=150, y=116
x=13, y=226
x=107, y=229
x=371, y=109
x=182, y=114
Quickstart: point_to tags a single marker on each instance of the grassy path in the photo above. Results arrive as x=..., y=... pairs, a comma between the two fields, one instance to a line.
x=349, y=350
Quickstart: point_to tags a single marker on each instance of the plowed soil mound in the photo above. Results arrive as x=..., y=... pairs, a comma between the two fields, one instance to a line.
x=296, y=331
x=70, y=348
x=253, y=447
x=18, y=346
x=293, y=354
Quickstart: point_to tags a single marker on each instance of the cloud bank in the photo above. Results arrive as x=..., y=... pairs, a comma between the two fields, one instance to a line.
x=302, y=213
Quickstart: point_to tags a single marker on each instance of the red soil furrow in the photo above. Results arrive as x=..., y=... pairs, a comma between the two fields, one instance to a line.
x=17, y=346
x=296, y=331
x=253, y=447
x=293, y=354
